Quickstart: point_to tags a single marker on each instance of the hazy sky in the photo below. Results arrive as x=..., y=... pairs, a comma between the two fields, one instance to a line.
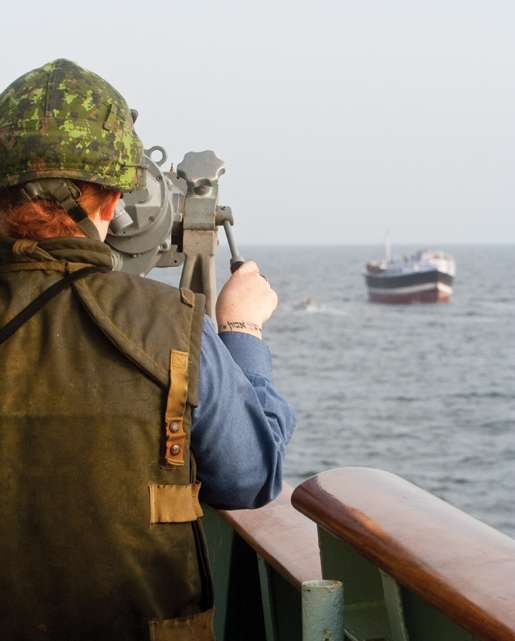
x=337, y=119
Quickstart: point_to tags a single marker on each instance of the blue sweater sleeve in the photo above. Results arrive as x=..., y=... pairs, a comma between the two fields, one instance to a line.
x=241, y=425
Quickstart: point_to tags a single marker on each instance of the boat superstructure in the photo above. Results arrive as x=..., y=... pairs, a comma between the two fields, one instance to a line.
x=424, y=277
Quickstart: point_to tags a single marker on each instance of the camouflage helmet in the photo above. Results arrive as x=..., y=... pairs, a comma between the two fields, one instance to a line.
x=61, y=121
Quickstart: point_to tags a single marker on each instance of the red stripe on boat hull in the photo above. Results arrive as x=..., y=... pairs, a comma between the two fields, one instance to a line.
x=427, y=296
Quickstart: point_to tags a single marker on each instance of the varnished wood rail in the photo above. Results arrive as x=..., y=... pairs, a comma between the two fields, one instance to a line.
x=285, y=539
x=459, y=565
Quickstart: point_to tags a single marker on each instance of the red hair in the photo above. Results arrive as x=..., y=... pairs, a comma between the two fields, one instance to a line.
x=40, y=218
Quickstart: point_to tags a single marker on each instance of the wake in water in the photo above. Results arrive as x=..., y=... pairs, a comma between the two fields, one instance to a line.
x=309, y=306
x=306, y=305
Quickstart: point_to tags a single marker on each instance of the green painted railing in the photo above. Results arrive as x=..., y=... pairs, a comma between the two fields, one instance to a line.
x=413, y=567
x=260, y=558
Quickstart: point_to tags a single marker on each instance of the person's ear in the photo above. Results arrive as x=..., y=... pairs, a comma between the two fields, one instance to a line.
x=107, y=209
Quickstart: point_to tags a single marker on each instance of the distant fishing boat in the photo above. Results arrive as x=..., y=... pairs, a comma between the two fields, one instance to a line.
x=424, y=277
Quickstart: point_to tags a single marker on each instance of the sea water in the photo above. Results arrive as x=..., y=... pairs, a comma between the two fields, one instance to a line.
x=426, y=390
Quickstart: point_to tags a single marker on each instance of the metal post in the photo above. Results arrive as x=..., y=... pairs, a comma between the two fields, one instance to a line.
x=267, y=600
x=322, y=611
x=198, y=273
x=394, y=608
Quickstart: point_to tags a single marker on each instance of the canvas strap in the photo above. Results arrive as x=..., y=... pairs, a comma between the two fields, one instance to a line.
x=176, y=408
x=174, y=503
x=46, y=296
x=66, y=194
x=198, y=627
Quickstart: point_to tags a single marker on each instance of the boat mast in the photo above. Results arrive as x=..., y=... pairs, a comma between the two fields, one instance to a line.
x=387, y=248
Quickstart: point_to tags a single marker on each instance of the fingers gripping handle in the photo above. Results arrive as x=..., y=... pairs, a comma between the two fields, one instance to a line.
x=236, y=264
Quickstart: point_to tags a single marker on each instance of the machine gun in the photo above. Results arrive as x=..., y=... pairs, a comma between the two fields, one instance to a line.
x=174, y=221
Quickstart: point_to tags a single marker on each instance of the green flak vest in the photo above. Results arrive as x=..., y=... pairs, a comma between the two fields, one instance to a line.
x=99, y=532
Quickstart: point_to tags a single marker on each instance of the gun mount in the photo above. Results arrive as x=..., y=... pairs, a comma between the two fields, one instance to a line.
x=174, y=221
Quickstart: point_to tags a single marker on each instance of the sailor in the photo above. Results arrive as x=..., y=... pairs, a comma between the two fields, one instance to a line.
x=118, y=396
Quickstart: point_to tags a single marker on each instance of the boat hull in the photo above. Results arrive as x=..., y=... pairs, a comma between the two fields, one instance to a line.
x=421, y=287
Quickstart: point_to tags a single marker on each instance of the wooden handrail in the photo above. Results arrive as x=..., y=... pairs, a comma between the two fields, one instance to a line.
x=284, y=538
x=453, y=561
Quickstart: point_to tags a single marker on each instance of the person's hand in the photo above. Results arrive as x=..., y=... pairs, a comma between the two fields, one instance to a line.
x=245, y=302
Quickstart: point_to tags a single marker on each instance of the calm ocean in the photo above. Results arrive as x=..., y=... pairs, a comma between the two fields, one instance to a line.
x=425, y=391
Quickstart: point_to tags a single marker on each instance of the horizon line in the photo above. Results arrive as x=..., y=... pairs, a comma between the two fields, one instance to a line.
x=378, y=244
